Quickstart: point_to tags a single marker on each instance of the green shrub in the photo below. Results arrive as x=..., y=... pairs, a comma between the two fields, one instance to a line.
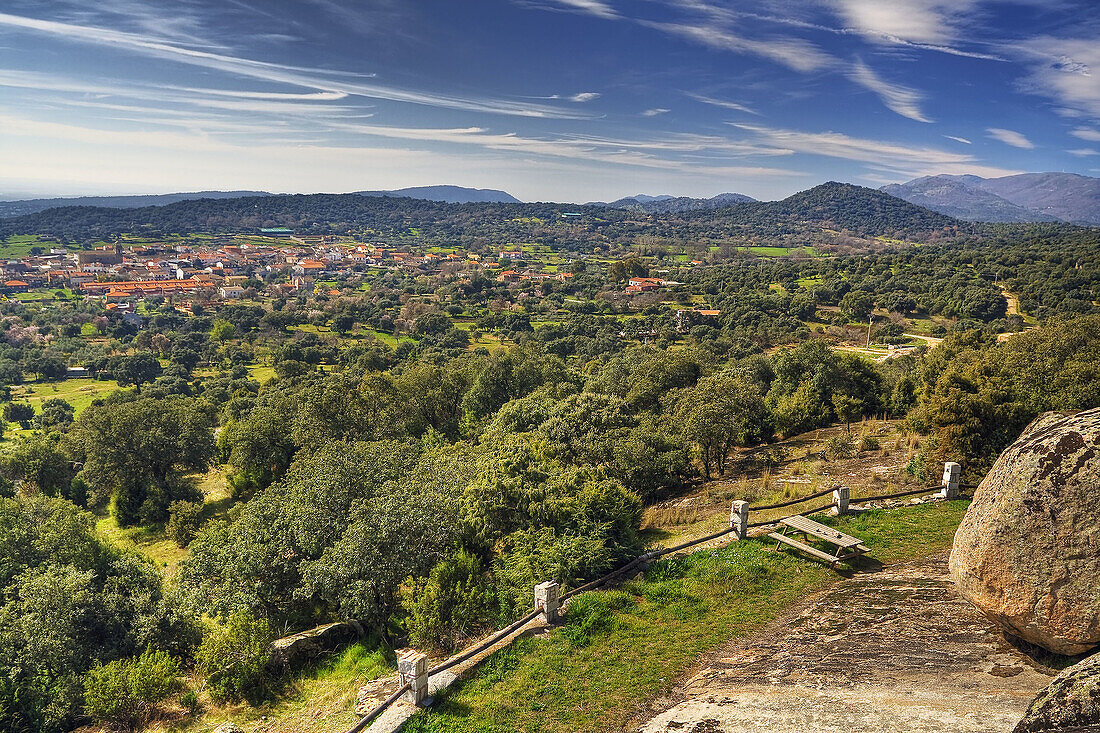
x=233, y=656
x=451, y=604
x=869, y=442
x=125, y=694
x=839, y=446
x=184, y=518
x=190, y=702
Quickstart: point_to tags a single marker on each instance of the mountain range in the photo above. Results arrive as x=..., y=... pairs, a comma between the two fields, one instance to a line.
x=449, y=194
x=31, y=206
x=1027, y=197
x=667, y=204
x=445, y=194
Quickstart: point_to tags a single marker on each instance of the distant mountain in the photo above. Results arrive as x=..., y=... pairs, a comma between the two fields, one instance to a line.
x=1021, y=198
x=1068, y=196
x=858, y=209
x=31, y=206
x=645, y=199
x=449, y=194
x=666, y=204
x=963, y=198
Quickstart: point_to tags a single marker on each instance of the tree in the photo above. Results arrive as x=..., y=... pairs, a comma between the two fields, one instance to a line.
x=222, y=330
x=56, y=413
x=41, y=466
x=723, y=410
x=19, y=412
x=136, y=453
x=138, y=369
x=343, y=323
x=68, y=601
x=857, y=305
x=848, y=408
x=234, y=654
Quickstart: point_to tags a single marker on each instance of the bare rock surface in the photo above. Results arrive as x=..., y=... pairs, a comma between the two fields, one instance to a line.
x=895, y=650
x=1070, y=703
x=1028, y=551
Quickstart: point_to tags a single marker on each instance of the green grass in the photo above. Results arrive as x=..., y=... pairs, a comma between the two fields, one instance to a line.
x=261, y=373
x=318, y=699
x=597, y=671
x=77, y=392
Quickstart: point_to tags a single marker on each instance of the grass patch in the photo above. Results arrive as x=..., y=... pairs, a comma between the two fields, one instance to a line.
x=77, y=392
x=596, y=671
x=318, y=699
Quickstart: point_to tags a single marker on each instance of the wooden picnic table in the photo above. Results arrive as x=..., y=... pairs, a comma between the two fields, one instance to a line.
x=847, y=547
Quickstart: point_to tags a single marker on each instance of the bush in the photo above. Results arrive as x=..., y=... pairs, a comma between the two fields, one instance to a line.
x=869, y=442
x=452, y=603
x=184, y=518
x=839, y=446
x=233, y=656
x=125, y=694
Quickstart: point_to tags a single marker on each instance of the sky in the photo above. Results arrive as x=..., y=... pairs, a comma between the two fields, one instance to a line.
x=550, y=100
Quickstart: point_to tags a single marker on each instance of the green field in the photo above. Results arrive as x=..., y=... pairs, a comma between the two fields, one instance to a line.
x=77, y=392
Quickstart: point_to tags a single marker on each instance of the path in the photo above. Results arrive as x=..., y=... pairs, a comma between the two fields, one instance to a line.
x=894, y=650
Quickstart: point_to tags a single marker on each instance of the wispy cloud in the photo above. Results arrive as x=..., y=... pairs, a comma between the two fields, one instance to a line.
x=898, y=158
x=1010, y=137
x=898, y=98
x=962, y=140
x=1083, y=152
x=1086, y=133
x=918, y=21
x=655, y=112
x=598, y=8
x=318, y=79
x=793, y=53
x=722, y=103
x=1066, y=70
x=584, y=97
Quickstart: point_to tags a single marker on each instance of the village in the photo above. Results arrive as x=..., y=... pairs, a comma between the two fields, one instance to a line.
x=276, y=263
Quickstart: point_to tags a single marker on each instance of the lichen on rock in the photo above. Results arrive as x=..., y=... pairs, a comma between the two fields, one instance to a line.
x=1028, y=551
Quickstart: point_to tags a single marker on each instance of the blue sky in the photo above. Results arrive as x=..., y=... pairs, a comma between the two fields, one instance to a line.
x=566, y=100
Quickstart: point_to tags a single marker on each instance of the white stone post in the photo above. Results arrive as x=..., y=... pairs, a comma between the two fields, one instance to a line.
x=951, y=473
x=547, y=597
x=412, y=667
x=739, y=519
x=840, y=500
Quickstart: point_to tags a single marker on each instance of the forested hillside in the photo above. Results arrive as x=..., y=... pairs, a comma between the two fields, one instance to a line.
x=411, y=445
x=832, y=205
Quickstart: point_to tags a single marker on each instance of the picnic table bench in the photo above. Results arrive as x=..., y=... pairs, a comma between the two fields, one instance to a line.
x=847, y=547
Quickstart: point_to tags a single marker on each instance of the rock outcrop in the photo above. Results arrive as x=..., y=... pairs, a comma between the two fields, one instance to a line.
x=1028, y=551
x=1070, y=703
x=291, y=651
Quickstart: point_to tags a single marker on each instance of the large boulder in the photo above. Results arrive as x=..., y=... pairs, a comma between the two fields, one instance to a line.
x=1028, y=550
x=1070, y=703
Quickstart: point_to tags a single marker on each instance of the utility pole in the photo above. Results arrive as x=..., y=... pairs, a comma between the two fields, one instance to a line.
x=870, y=318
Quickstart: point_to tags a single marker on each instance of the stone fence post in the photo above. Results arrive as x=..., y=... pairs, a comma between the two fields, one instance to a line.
x=840, y=500
x=951, y=474
x=739, y=519
x=412, y=668
x=547, y=597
